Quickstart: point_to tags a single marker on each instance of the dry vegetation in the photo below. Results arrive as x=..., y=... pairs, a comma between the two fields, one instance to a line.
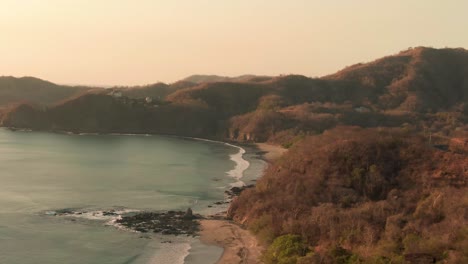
x=423, y=90
x=368, y=194
x=390, y=191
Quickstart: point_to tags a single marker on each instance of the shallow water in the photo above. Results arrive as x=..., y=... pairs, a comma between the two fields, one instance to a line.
x=40, y=172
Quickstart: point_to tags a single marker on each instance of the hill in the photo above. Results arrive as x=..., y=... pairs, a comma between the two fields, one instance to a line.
x=420, y=89
x=157, y=90
x=215, y=78
x=353, y=195
x=419, y=79
x=376, y=171
x=101, y=113
x=35, y=90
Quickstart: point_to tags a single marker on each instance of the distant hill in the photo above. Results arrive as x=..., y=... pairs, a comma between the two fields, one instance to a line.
x=418, y=79
x=102, y=113
x=157, y=90
x=421, y=89
x=35, y=90
x=215, y=78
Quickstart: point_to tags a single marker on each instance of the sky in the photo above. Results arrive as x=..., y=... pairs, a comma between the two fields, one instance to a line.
x=136, y=42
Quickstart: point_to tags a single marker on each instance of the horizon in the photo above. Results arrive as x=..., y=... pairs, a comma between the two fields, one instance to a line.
x=120, y=43
x=106, y=86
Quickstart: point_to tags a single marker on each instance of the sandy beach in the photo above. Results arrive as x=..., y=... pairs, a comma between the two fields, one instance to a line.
x=240, y=246
x=271, y=152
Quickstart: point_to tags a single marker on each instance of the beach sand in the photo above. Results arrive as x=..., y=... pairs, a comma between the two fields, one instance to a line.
x=271, y=152
x=240, y=246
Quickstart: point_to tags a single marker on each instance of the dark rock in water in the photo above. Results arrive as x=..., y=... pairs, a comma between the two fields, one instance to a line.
x=188, y=214
x=236, y=191
x=169, y=223
x=140, y=229
x=65, y=211
x=109, y=213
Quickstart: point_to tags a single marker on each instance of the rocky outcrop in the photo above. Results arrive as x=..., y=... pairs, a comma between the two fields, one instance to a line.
x=166, y=223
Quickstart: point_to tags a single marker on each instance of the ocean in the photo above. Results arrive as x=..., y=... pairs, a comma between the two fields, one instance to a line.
x=41, y=173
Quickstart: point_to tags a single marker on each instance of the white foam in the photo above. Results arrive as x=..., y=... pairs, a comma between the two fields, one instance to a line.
x=98, y=215
x=171, y=253
x=241, y=164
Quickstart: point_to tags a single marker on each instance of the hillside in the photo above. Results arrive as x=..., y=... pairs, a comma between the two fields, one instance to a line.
x=360, y=196
x=198, y=79
x=422, y=89
x=35, y=90
x=101, y=113
x=157, y=90
x=419, y=79
x=377, y=166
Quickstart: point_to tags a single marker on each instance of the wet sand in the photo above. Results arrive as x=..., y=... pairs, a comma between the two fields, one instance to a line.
x=240, y=246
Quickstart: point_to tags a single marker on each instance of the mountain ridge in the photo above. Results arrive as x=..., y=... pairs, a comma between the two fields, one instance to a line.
x=376, y=167
x=421, y=88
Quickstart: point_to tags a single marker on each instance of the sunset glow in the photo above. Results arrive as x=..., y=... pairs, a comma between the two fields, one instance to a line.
x=123, y=42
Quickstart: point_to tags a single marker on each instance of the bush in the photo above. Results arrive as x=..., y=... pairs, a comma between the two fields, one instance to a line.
x=285, y=250
x=262, y=228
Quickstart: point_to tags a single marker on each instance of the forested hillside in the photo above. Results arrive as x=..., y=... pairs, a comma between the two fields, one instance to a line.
x=355, y=195
x=377, y=167
x=420, y=89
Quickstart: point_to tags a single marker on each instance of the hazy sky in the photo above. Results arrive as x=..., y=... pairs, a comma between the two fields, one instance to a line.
x=128, y=42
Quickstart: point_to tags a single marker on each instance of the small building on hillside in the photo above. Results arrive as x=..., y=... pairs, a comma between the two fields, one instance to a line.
x=149, y=100
x=115, y=94
x=362, y=109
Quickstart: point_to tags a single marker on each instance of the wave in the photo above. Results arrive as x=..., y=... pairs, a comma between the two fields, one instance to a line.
x=174, y=252
x=241, y=164
x=110, y=216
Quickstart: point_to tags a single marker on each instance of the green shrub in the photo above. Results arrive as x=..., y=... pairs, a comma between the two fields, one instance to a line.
x=262, y=227
x=285, y=250
x=340, y=255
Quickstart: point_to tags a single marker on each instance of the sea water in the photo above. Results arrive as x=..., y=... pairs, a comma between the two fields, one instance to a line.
x=41, y=173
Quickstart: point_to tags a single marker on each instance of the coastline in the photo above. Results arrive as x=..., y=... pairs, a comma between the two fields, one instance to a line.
x=239, y=244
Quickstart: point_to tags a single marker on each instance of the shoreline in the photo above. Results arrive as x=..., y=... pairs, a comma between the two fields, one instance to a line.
x=239, y=244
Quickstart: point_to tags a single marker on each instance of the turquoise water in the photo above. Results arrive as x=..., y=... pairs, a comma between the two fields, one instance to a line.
x=41, y=172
